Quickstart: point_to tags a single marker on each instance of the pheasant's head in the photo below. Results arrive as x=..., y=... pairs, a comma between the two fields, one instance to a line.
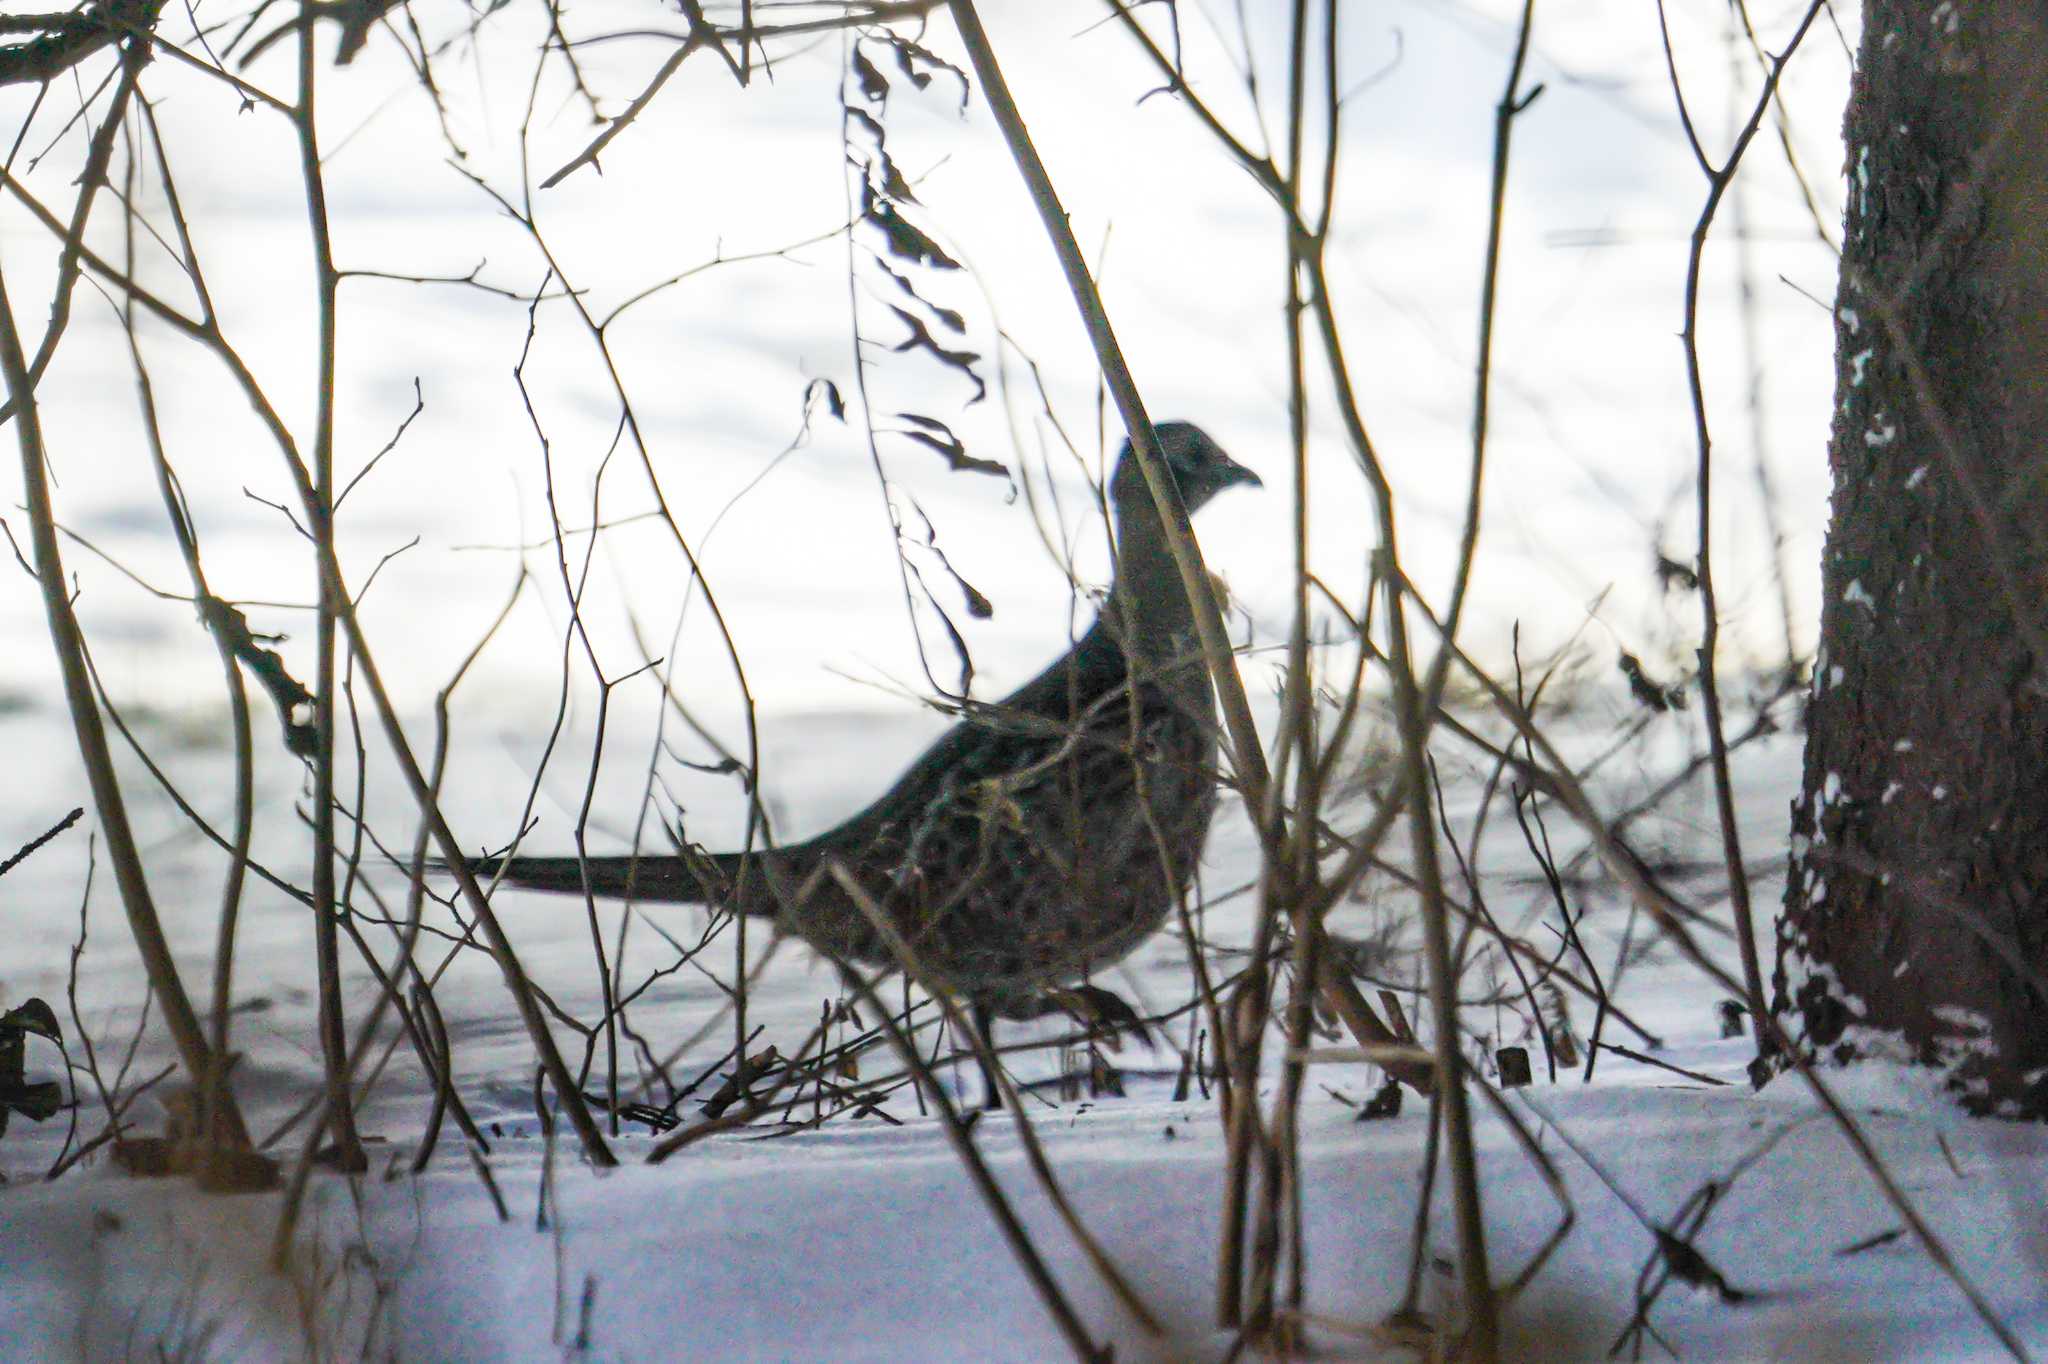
x=1200, y=468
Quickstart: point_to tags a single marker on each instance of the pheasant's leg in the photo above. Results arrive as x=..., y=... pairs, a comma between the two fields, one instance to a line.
x=984, y=1016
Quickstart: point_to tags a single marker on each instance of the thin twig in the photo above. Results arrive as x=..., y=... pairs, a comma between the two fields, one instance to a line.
x=1710, y=620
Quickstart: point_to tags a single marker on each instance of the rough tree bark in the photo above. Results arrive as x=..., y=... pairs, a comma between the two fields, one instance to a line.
x=1916, y=914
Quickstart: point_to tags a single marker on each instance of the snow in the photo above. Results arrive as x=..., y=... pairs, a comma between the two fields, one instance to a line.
x=867, y=1242
x=861, y=1240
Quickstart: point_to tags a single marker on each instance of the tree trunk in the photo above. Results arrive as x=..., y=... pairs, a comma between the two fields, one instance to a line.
x=1916, y=912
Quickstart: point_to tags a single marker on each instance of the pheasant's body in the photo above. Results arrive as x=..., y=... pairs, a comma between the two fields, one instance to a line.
x=1041, y=838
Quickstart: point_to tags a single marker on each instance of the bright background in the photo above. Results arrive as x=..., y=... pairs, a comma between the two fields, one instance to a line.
x=1590, y=465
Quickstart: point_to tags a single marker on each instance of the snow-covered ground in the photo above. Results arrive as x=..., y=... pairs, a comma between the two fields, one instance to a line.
x=863, y=1239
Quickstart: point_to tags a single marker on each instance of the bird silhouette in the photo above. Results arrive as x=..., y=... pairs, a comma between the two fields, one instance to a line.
x=1042, y=838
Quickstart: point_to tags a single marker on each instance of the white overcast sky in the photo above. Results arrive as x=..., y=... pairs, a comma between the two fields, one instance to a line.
x=1592, y=449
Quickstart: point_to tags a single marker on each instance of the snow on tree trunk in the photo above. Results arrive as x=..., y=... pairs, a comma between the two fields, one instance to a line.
x=1916, y=914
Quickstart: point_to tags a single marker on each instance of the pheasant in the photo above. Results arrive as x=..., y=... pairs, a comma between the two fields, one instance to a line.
x=1040, y=839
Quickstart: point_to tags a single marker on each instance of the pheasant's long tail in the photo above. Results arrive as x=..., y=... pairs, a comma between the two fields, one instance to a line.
x=715, y=879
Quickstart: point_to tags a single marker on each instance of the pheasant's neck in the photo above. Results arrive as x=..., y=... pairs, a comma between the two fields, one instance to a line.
x=1147, y=606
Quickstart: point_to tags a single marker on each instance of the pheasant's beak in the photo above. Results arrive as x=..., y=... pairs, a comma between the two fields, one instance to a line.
x=1232, y=474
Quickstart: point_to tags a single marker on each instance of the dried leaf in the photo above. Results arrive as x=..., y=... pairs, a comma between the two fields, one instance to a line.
x=937, y=436
x=1648, y=693
x=951, y=320
x=867, y=121
x=919, y=63
x=34, y=1016
x=873, y=87
x=217, y=1169
x=834, y=404
x=225, y=1170
x=905, y=240
x=978, y=606
x=953, y=635
x=1513, y=1064
x=920, y=338
x=33, y=1101
x=894, y=185
x=739, y=1085
x=1672, y=574
x=147, y=1157
x=1690, y=1267
x=1384, y=1104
